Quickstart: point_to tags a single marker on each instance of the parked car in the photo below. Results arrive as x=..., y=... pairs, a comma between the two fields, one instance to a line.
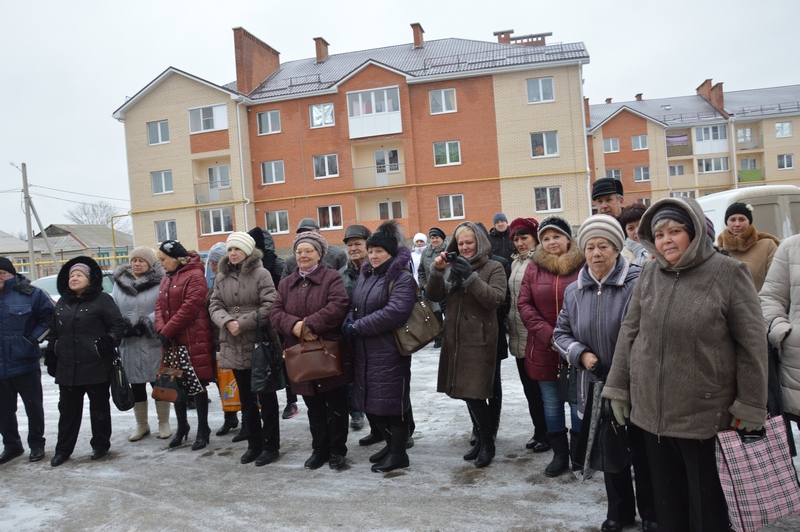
x=776, y=208
x=48, y=284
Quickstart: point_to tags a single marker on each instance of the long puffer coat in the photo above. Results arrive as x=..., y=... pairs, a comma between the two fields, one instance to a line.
x=517, y=333
x=321, y=299
x=381, y=375
x=243, y=293
x=469, y=343
x=77, y=324
x=541, y=297
x=181, y=314
x=136, y=299
x=752, y=247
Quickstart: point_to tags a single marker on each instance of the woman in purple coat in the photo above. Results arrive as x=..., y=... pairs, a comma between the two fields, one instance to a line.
x=382, y=301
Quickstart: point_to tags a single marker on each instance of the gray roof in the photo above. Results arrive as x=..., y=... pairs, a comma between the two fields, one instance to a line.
x=12, y=244
x=679, y=111
x=437, y=57
x=763, y=102
x=82, y=237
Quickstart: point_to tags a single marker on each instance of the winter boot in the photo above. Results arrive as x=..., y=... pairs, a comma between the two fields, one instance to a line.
x=560, y=462
x=182, y=433
x=573, y=445
x=387, y=437
x=397, y=456
x=203, y=430
x=142, y=427
x=231, y=422
x=473, y=437
x=494, y=409
x=485, y=422
x=162, y=409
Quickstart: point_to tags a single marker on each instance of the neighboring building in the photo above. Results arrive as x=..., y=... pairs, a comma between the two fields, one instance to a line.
x=16, y=250
x=429, y=133
x=72, y=240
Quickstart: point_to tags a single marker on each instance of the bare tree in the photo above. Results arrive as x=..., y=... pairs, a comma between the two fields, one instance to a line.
x=97, y=214
x=22, y=235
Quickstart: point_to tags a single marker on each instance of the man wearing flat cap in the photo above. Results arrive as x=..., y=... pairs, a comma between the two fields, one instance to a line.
x=608, y=197
x=335, y=258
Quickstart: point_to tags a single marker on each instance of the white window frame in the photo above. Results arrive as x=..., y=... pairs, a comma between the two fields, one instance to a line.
x=718, y=164
x=783, y=130
x=744, y=134
x=161, y=175
x=222, y=218
x=787, y=160
x=279, y=217
x=273, y=124
x=373, y=102
x=645, y=201
x=641, y=140
x=614, y=173
x=682, y=194
x=331, y=208
x=322, y=108
x=161, y=131
x=611, y=145
x=535, y=87
x=272, y=165
x=545, y=144
x=390, y=209
x=167, y=225
x=447, y=153
x=641, y=174
x=676, y=170
x=711, y=133
x=748, y=163
x=218, y=118
x=548, y=197
x=450, y=206
x=326, y=158
x=444, y=101
x=214, y=175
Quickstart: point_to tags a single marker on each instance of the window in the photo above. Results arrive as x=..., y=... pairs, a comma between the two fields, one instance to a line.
x=682, y=194
x=641, y=173
x=614, y=173
x=639, y=142
x=157, y=132
x=744, y=134
x=326, y=165
x=714, y=164
x=540, y=90
x=321, y=115
x=166, y=230
x=162, y=181
x=610, y=145
x=747, y=164
x=216, y=221
x=269, y=122
x=547, y=199
x=676, y=169
x=703, y=134
x=446, y=153
x=21, y=266
x=208, y=119
x=219, y=176
x=451, y=207
x=783, y=129
x=645, y=201
x=544, y=144
x=330, y=217
x=373, y=102
x=785, y=161
x=277, y=222
x=443, y=101
x=272, y=172
x=390, y=209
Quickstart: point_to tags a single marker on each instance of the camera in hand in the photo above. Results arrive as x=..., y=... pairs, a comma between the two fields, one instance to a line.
x=451, y=256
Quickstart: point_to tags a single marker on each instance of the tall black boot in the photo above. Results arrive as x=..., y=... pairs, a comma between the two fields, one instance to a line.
x=573, y=445
x=203, y=430
x=494, y=410
x=182, y=432
x=485, y=424
x=474, y=439
x=388, y=436
x=397, y=456
x=231, y=422
x=560, y=462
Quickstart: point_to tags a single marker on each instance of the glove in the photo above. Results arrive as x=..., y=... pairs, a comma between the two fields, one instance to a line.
x=622, y=410
x=349, y=328
x=461, y=268
x=746, y=426
x=128, y=332
x=105, y=344
x=166, y=342
x=139, y=329
x=50, y=360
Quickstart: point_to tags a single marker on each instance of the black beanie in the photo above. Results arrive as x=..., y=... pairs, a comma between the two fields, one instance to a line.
x=174, y=249
x=739, y=208
x=675, y=213
x=435, y=231
x=388, y=236
x=7, y=266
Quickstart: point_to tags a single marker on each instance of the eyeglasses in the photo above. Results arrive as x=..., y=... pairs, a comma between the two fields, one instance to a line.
x=300, y=252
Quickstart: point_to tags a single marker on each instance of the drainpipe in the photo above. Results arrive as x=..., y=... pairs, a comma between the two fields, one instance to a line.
x=732, y=138
x=585, y=145
x=666, y=152
x=240, y=101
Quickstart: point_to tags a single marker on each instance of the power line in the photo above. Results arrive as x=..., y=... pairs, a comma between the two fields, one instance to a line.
x=74, y=201
x=78, y=193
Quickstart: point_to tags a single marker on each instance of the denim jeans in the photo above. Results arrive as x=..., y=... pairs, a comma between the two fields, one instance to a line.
x=554, y=409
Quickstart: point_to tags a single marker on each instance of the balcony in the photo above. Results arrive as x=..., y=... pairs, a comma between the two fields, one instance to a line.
x=379, y=176
x=212, y=192
x=750, y=142
x=756, y=174
x=679, y=149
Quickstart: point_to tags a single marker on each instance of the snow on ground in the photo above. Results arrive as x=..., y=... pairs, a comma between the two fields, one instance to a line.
x=145, y=485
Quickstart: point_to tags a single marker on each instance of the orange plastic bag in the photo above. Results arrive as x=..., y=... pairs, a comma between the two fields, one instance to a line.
x=228, y=390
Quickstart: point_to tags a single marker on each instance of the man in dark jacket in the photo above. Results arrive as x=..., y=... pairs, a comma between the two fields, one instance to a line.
x=25, y=315
x=502, y=246
x=335, y=258
x=271, y=262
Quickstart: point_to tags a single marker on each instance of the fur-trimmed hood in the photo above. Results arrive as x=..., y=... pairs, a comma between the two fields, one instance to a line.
x=744, y=241
x=562, y=264
x=132, y=285
x=396, y=265
x=95, y=279
x=484, y=252
x=249, y=264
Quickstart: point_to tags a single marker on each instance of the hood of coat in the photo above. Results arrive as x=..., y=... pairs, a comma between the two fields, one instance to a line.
x=263, y=238
x=484, y=246
x=622, y=273
x=132, y=285
x=20, y=284
x=560, y=264
x=95, y=278
x=700, y=248
x=249, y=264
x=744, y=241
x=396, y=264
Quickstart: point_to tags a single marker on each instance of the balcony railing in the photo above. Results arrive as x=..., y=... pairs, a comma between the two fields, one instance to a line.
x=679, y=150
x=379, y=176
x=756, y=174
x=212, y=192
x=750, y=142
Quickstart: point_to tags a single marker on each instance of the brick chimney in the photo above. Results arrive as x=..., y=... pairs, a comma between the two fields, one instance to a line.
x=504, y=37
x=608, y=100
x=704, y=90
x=717, y=99
x=322, y=49
x=255, y=60
x=586, y=112
x=418, y=31
x=639, y=97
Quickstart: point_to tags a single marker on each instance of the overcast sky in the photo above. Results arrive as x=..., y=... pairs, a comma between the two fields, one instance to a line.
x=66, y=66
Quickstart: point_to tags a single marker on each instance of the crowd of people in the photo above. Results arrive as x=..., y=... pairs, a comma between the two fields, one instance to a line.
x=641, y=303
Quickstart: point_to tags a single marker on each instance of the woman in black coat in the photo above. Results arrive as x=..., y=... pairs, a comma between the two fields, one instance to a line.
x=86, y=328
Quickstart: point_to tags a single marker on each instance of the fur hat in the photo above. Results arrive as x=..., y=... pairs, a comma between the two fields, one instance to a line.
x=524, y=226
x=7, y=266
x=145, y=253
x=315, y=239
x=420, y=236
x=388, y=236
x=559, y=223
x=242, y=241
x=601, y=225
x=671, y=211
x=739, y=208
x=499, y=216
x=216, y=252
x=435, y=231
x=173, y=248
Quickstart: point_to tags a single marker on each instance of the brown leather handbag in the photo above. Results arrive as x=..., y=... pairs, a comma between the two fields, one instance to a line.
x=309, y=361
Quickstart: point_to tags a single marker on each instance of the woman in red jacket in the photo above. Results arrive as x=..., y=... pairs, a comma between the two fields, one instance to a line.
x=556, y=263
x=182, y=318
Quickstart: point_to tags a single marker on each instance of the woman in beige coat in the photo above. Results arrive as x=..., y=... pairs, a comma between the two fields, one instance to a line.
x=241, y=298
x=746, y=244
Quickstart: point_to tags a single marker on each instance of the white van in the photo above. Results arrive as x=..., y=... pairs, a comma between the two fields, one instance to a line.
x=776, y=208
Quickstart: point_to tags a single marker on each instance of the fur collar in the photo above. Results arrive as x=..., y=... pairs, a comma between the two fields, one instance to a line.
x=132, y=286
x=744, y=241
x=560, y=265
x=397, y=265
x=252, y=262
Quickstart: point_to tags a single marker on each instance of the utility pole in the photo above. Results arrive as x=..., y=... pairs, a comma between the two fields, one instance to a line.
x=32, y=272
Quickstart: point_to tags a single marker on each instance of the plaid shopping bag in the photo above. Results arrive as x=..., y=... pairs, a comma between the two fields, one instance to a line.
x=757, y=476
